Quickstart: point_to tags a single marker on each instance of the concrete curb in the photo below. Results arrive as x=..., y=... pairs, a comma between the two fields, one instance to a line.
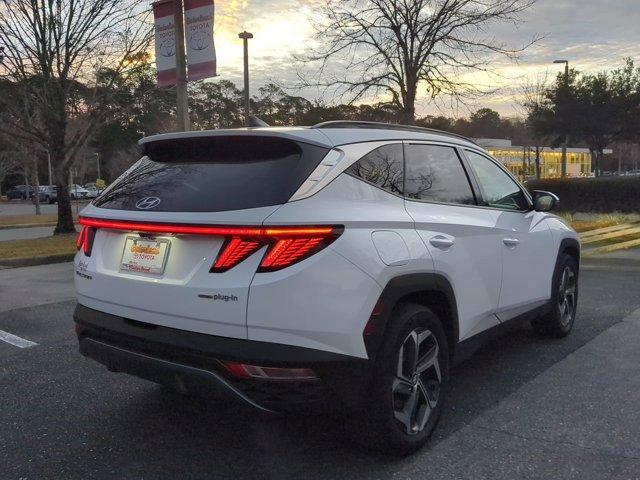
x=26, y=225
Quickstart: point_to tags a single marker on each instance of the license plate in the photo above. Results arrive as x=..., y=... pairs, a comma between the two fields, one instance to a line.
x=145, y=255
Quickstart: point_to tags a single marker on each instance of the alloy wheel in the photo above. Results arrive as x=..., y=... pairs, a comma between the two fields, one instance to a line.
x=416, y=386
x=567, y=296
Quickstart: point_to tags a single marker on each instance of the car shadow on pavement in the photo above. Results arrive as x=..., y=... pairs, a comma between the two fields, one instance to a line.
x=168, y=432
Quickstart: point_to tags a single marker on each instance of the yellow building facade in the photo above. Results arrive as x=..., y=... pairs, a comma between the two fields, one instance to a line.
x=521, y=160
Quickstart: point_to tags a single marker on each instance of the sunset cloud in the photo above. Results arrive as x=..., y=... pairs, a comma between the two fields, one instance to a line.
x=592, y=34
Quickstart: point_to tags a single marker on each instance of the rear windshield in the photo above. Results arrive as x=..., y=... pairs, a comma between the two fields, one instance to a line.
x=213, y=174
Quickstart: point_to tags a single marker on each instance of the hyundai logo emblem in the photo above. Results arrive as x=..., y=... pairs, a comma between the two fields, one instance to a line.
x=147, y=203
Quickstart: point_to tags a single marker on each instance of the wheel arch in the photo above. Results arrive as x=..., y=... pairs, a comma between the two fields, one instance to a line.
x=570, y=246
x=431, y=290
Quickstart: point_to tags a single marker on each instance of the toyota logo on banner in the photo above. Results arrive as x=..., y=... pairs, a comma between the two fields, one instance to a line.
x=147, y=203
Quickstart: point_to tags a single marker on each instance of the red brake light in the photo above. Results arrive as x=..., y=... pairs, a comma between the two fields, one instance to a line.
x=233, y=252
x=85, y=240
x=285, y=245
x=287, y=252
x=81, y=238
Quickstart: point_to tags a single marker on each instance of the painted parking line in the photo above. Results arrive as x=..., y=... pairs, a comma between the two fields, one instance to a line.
x=15, y=340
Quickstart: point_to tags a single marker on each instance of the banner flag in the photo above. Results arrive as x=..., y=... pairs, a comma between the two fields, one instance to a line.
x=165, y=37
x=201, y=50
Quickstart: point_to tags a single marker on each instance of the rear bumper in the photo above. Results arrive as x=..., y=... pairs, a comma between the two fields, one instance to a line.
x=190, y=361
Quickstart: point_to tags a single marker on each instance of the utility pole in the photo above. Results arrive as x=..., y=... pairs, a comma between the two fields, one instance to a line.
x=563, y=159
x=246, y=36
x=181, y=65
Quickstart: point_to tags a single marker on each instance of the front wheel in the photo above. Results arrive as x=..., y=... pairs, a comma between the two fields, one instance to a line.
x=564, y=302
x=408, y=390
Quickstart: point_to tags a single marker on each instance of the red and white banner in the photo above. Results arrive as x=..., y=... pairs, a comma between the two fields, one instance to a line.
x=164, y=17
x=198, y=30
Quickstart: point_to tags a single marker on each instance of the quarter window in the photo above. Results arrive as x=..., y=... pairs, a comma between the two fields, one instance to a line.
x=498, y=189
x=381, y=167
x=435, y=173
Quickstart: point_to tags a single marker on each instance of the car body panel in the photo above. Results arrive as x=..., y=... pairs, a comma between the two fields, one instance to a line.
x=324, y=302
x=472, y=263
x=186, y=296
x=528, y=264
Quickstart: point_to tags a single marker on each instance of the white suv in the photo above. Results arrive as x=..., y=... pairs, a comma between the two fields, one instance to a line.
x=347, y=263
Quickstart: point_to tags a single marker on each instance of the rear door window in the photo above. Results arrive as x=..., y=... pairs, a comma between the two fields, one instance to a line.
x=214, y=174
x=435, y=173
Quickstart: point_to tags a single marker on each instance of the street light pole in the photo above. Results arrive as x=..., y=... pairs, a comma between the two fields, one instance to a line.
x=181, y=64
x=563, y=160
x=246, y=36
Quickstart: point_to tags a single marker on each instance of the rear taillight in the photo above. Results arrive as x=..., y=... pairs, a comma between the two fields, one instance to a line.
x=284, y=246
x=244, y=371
x=85, y=239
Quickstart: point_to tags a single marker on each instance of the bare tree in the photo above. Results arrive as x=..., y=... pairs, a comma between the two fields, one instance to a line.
x=62, y=58
x=398, y=47
x=534, y=104
x=8, y=164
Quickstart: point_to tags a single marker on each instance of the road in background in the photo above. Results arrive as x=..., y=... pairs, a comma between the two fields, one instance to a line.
x=521, y=407
x=7, y=234
x=21, y=207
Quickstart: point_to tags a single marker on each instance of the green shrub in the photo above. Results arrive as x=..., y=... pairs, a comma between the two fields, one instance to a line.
x=598, y=195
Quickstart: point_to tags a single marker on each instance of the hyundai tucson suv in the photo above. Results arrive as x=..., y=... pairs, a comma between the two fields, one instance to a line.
x=347, y=264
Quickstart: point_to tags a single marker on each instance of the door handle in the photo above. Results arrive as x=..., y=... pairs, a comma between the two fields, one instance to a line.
x=441, y=242
x=511, y=242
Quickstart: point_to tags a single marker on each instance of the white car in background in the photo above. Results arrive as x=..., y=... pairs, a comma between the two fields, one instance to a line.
x=347, y=264
x=92, y=190
x=78, y=192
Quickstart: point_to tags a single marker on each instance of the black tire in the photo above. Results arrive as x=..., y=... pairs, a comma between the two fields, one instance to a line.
x=390, y=394
x=560, y=319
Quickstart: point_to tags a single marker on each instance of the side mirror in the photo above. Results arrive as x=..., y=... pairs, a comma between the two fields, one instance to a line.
x=544, y=201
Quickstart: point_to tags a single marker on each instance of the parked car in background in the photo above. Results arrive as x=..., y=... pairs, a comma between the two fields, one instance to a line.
x=93, y=190
x=21, y=192
x=78, y=192
x=48, y=194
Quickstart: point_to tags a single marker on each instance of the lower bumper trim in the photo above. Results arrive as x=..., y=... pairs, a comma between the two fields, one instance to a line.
x=182, y=377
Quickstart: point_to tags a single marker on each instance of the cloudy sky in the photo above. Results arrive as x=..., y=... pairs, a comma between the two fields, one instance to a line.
x=592, y=34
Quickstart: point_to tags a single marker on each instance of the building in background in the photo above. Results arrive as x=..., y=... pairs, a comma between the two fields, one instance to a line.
x=521, y=160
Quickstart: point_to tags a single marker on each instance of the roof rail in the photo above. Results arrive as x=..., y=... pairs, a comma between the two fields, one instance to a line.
x=387, y=126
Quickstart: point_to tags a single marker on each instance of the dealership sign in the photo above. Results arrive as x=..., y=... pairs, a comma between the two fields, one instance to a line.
x=198, y=29
x=163, y=13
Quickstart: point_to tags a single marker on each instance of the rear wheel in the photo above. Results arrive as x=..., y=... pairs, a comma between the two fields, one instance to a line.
x=412, y=370
x=559, y=321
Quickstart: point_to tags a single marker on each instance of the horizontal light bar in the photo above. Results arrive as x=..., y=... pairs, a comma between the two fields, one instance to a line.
x=223, y=231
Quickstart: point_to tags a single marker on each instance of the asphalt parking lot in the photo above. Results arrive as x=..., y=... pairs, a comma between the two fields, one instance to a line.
x=521, y=407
